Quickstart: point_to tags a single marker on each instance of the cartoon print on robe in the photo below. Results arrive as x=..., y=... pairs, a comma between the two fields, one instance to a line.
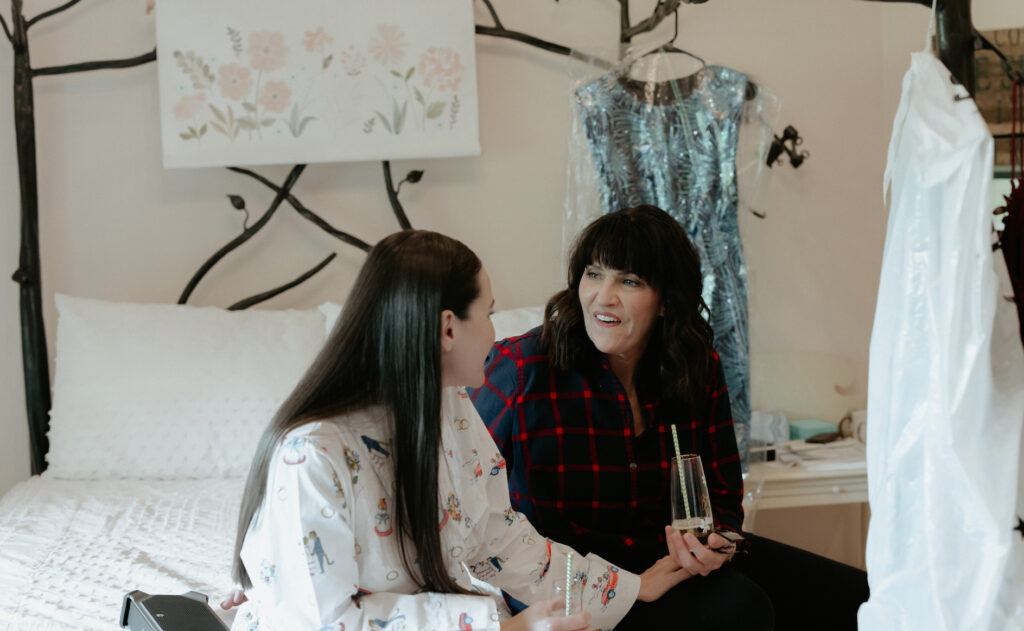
x=267, y=571
x=293, y=450
x=317, y=549
x=352, y=460
x=465, y=622
x=338, y=491
x=474, y=463
x=544, y=566
x=607, y=583
x=383, y=527
x=377, y=451
x=497, y=464
x=488, y=568
x=395, y=623
x=340, y=627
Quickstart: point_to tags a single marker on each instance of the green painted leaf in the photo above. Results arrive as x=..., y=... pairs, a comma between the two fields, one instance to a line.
x=436, y=109
x=396, y=73
x=185, y=136
x=219, y=115
x=219, y=128
x=410, y=72
x=419, y=96
x=249, y=107
x=202, y=130
x=327, y=61
x=384, y=121
x=192, y=130
x=267, y=122
x=400, y=118
x=302, y=125
x=247, y=124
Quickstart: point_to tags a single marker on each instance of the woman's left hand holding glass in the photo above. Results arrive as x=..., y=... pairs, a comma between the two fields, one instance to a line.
x=695, y=557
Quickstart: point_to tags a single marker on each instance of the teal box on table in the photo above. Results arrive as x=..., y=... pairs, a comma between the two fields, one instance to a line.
x=807, y=427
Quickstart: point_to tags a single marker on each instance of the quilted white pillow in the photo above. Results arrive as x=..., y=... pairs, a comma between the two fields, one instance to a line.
x=512, y=322
x=170, y=391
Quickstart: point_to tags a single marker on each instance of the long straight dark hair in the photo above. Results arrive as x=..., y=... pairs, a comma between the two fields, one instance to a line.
x=648, y=242
x=385, y=350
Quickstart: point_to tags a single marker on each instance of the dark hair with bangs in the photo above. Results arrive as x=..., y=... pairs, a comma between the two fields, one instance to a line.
x=648, y=242
x=385, y=350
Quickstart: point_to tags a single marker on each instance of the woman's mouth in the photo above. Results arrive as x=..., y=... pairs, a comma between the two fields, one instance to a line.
x=607, y=319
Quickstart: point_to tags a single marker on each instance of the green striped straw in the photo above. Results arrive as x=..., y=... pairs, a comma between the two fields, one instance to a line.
x=679, y=468
x=568, y=584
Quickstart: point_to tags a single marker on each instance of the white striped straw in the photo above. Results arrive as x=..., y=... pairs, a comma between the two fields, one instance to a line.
x=679, y=467
x=568, y=584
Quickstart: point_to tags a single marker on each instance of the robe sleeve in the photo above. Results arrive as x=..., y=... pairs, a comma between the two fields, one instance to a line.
x=302, y=557
x=515, y=558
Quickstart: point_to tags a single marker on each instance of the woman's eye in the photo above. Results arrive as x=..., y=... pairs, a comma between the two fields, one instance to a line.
x=592, y=274
x=632, y=282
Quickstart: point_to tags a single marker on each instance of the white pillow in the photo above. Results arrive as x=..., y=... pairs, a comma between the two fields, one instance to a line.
x=331, y=312
x=512, y=322
x=170, y=391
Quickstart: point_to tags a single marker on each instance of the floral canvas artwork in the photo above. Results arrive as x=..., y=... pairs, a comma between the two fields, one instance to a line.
x=259, y=82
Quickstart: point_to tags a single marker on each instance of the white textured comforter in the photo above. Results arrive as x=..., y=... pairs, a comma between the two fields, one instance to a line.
x=70, y=550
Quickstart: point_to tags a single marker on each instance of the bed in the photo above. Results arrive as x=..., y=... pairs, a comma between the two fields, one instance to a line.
x=156, y=413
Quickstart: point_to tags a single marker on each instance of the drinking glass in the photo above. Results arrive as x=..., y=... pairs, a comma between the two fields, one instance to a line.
x=572, y=578
x=691, y=504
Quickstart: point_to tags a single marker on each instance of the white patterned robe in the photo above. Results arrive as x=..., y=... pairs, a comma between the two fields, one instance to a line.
x=323, y=553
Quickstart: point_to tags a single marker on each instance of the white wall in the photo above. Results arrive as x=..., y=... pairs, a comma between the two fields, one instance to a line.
x=116, y=225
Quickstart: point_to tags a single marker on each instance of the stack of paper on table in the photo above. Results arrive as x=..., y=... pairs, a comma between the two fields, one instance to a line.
x=838, y=455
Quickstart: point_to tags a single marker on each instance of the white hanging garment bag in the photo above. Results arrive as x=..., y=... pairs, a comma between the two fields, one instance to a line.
x=946, y=382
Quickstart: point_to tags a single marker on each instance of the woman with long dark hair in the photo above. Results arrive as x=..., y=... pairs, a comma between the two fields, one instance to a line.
x=582, y=410
x=376, y=491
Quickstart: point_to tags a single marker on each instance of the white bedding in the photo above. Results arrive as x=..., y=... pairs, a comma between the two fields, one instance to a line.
x=70, y=550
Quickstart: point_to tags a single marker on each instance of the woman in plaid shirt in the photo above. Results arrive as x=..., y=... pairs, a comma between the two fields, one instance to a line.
x=581, y=409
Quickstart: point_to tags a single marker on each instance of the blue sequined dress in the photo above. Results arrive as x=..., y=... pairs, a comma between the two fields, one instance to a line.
x=673, y=145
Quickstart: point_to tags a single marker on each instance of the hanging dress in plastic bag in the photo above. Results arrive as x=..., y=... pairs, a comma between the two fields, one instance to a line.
x=673, y=144
x=946, y=381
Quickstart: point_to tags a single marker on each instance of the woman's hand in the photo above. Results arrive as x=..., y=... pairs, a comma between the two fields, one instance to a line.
x=233, y=599
x=542, y=616
x=659, y=578
x=696, y=558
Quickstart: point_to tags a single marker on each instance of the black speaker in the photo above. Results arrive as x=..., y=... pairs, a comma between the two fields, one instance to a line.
x=187, y=612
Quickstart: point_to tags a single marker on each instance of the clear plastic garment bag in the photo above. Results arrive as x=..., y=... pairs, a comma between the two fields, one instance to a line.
x=946, y=382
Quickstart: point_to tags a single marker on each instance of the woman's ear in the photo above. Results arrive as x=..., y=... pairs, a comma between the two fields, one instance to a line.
x=447, y=330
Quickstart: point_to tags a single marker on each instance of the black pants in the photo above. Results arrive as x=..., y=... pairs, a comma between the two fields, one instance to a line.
x=775, y=586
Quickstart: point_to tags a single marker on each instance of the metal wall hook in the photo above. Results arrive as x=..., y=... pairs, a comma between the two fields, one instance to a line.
x=787, y=144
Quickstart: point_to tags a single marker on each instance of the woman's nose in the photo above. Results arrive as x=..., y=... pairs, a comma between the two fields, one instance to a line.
x=606, y=294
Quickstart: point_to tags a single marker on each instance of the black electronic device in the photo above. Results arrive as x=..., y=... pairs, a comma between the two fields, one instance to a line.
x=186, y=612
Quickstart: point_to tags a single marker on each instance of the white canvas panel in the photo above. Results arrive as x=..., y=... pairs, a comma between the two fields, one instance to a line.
x=246, y=82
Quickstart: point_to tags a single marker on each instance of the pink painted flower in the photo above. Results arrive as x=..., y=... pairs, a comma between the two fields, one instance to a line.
x=267, y=50
x=441, y=66
x=388, y=48
x=316, y=40
x=189, y=106
x=352, y=60
x=234, y=80
x=275, y=96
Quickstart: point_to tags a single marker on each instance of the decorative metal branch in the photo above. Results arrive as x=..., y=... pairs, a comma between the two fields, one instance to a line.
x=396, y=206
x=267, y=295
x=663, y=9
x=247, y=234
x=7, y=31
x=54, y=11
x=107, y=64
x=306, y=213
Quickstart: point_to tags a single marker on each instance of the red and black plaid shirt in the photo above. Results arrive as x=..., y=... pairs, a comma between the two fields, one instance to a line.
x=576, y=468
